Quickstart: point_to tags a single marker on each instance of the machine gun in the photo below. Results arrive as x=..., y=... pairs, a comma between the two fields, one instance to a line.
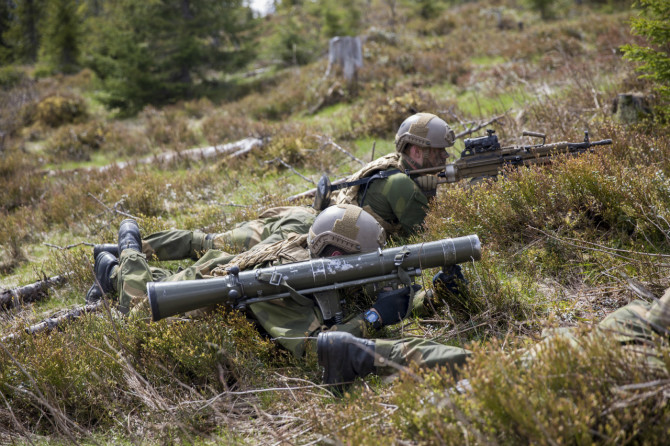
x=483, y=157
x=320, y=277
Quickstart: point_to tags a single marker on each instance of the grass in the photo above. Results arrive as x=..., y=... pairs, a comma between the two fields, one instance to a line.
x=559, y=245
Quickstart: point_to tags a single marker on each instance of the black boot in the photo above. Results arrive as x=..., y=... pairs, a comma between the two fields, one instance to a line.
x=111, y=248
x=104, y=264
x=344, y=356
x=129, y=236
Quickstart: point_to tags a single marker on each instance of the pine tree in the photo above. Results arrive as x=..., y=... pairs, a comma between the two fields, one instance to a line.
x=154, y=51
x=61, y=36
x=22, y=34
x=654, y=24
x=6, y=52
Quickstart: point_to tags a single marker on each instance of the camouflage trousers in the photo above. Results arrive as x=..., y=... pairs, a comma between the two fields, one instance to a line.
x=272, y=225
x=633, y=326
x=296, y=327
x=418, y=351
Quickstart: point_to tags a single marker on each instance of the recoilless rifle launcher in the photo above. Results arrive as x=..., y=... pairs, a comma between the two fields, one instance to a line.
x=320, y=277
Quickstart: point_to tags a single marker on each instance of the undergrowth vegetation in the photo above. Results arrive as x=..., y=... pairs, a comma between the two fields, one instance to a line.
x=563, y=244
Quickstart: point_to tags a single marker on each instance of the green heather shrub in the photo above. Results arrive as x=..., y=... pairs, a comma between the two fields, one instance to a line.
x=98, y=370
x=144, y=196
x=567, y=393
x=56, y=110
x=11, y=76
x=590, y=392
x=291, y=145
x=123, y=139
x=18, y=184
x=76, y=142
x=167, y=128
x=221, y=128
x=590, y=191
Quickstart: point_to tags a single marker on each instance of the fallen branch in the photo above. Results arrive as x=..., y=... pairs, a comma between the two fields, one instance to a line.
x=30, y=293
x=233, y=149
x=51, y=323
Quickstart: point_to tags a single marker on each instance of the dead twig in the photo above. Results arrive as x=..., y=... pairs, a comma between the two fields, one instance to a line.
x=472, y=127
x=288, y=166
x=31, y=292
x=62, y=248
x=329, y=142
x=125, y=214
x=601, y=248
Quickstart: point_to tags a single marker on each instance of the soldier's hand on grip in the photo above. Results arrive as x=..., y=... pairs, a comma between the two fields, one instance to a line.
x=391, y=306
x=449, y=280
x=426, y=182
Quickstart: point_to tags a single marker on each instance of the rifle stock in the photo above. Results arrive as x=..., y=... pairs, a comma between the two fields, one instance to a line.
x=239, y=289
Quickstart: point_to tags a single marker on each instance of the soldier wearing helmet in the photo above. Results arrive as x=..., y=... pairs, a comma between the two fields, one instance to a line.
x=397, y=201
x=294, y=320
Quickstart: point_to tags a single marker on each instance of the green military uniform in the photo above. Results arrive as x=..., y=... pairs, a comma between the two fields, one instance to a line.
x=396, y=202
x=633, y=326
x=416, y=350
x=272, y=225
x=288, y=321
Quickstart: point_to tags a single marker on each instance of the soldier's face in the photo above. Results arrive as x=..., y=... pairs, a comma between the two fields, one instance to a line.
x=434, y=157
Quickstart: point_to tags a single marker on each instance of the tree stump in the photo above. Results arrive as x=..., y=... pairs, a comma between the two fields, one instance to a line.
x=629, y=108
x=346, y=53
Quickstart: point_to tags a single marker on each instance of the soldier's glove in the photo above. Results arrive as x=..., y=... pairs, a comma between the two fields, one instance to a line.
x=427, y=182
x=449, y=280
x=390, y=307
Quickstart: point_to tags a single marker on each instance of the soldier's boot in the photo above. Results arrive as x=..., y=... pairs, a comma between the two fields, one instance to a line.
x=344, y=356
x=111, y=248
x=104, y=265
x=129, y=236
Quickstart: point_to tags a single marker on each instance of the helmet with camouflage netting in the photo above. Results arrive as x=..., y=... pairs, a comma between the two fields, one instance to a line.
x=424, y=130
x=347, y=228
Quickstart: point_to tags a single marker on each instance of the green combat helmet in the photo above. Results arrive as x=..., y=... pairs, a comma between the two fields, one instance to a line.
x=345, y=227
x=424, y=130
